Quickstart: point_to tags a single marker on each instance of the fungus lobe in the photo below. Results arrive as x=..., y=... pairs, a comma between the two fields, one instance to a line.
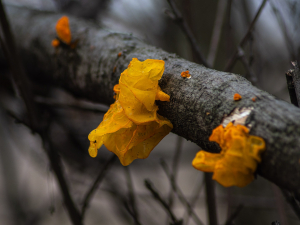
x=63, y=30
x=132, y=127
x=236, y=163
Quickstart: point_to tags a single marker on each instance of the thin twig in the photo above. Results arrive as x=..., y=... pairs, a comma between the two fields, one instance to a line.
x=89, y=194
x=157, y=196
x=64, y=105
x=292, y=201
x=195, y=196
x=216, y=34
x=131, y=194
x=16, y=67
x=131, y=213
x=234, y=215
x=291, y=87
x=289, y=43
x=211, y=199
x=234, y=57
x=179, y=193
x=176, y=16
x=55, y=163
x=296, y=80
x=175, y=163
x=177, y=155
x=56, y=166
x=249, y=73
x=280, y=204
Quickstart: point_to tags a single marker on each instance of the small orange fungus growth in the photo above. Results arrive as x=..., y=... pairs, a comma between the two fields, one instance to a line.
x=237, y=97
x=119, y=54
x=253, y=99
x=131, y=128
x=55, y=43
x=186, y=74
x=236, y=163
x=63, y=30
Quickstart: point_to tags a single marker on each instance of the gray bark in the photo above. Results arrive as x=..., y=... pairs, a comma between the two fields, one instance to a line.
x=197, y=105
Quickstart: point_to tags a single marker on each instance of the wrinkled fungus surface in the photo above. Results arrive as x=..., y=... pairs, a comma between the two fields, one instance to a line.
x=236, y=163
x=132, y=128
x=63, y=30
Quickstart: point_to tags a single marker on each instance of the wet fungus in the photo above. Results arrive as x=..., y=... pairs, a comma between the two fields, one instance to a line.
x=131, y=128
x=237, y=161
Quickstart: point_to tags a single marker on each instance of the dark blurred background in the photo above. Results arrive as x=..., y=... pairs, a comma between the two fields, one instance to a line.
x=29, y=193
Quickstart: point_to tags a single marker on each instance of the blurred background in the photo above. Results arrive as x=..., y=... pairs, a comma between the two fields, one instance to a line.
x=29, y=193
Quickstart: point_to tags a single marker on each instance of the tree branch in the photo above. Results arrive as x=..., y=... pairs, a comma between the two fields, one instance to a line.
x=197, y=105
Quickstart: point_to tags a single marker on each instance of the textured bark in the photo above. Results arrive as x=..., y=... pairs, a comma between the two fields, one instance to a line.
x=197, y=105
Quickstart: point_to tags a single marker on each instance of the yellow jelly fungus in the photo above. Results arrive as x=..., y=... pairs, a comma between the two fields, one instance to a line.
x=131, y=128
x=236, y=163
x=63, y=30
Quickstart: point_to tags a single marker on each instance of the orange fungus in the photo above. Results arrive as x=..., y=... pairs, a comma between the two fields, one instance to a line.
x=253, y=99
x=55, y=43
x=186, y=74
x=236, y=163
x=237, y=97
x=119, y=54
x=63, y=30
x=131, y=128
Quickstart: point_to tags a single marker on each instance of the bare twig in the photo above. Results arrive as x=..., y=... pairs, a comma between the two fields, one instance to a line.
x=234, y=215
x=289, y=43
x=292, y=201
x=280, y=204
x=249, y=73
x=214, y=42
x=132, y=199
x=175, y=163
x=157, y=196
x=211, y=199
x=56, y=166
x=88, y=196
x=195, y=196
x=177, y=155
x=234, y=57
x=179, y=193
x=53, y=103
x=291, y=87
x=132, y=214
x=176, y=16
x=296, y=80
x=16, y=67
